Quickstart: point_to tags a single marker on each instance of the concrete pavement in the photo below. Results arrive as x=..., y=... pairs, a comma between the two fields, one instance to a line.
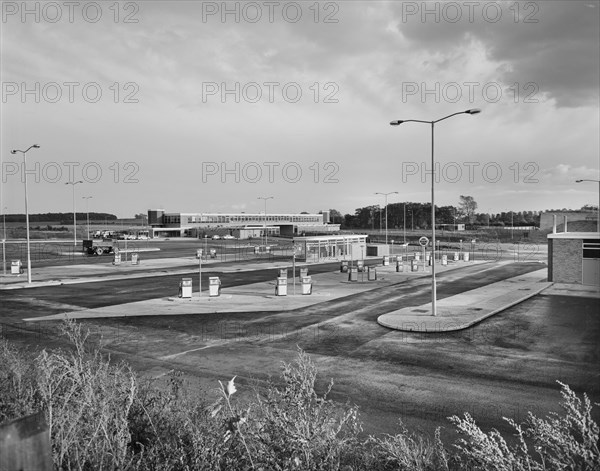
x=453, y=313
x=256, y=297
x=466, y=309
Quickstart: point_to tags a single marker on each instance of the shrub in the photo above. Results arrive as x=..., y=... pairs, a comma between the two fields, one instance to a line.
x=18, y=395
x=101, y=416
x=560, y=442
x=295, y=427
x=86, y=400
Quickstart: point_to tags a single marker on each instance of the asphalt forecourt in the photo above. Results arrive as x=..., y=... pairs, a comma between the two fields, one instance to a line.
x=259, y=297
x=501, y=367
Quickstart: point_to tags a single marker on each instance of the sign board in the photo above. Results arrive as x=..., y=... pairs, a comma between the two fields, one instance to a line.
x=423, y=241
x=199, y=253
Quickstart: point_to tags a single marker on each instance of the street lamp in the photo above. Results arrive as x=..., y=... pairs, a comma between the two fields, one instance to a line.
x=386, y=218
x=24, y=152
x=404, y=220
x=4, y=240
x=74, y=216
x=265, y=198
x=87, y=211
x=597, y=181
x=432, y=123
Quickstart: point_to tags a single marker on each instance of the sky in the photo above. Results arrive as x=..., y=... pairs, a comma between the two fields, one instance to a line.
x=210, y=106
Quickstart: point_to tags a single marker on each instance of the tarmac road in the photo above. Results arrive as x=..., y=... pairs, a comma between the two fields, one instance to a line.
x=18, y=304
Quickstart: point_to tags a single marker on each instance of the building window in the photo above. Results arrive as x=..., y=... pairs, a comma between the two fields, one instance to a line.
x=591, y=248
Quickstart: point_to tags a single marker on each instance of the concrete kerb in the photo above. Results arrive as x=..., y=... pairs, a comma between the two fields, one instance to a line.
x=465, y=310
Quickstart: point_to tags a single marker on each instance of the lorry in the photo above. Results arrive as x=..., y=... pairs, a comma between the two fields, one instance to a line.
x=99, y=246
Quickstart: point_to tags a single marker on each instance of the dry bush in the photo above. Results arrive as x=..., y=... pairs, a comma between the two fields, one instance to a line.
x=100, y=417
x=18, y=388
x=558, y=442
x=87, y=401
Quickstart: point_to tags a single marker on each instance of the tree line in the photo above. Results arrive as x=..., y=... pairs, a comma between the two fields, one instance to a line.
x=413, y=215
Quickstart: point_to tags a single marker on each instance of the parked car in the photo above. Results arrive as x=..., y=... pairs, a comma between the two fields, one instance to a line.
x=216, y=237
x=228, y=237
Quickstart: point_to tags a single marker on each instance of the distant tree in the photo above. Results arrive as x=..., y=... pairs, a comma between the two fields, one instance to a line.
x=335, y=216
x=349, y=221
x=467, y=207
x=482, y=219
x=445, y=214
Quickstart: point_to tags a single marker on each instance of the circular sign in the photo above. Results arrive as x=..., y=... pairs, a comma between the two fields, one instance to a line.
x=423, y=241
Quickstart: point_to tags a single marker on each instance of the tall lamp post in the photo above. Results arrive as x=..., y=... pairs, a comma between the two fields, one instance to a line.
x=404, y=220
x=87, y=212
x=265, y=198
x=74, y=215
x=432, y=123
x=4, y=240
x=597, y=181
x=386, y=218
x=24, y=152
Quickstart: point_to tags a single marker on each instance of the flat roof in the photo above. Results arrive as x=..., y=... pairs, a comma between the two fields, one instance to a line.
x=329, y=237
x=574, y=235
x=262, y=215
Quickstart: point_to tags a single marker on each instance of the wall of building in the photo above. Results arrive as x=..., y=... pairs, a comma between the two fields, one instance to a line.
x=565, y=266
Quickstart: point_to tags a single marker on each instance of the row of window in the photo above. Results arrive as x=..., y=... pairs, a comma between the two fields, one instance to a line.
x=224, y=219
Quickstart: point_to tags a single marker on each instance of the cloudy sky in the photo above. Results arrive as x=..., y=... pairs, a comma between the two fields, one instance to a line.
x=207, y=106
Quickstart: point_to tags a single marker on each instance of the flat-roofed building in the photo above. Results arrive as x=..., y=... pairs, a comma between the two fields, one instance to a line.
x=573, y=256
x=242, y=225
x=317, y=248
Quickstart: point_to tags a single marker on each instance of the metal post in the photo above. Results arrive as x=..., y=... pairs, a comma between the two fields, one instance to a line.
x=398, y=122
x=24, y=152
x=27, y=222
x=74, y=215
x=433, y=283
x=200, y=276
x=74, y=220
x=87, y=211
x=4, y=241
x=386, y=224
x=265, y=198
x=404, y=222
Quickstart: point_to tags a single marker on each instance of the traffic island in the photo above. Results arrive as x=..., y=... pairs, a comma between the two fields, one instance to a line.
x=469, y=308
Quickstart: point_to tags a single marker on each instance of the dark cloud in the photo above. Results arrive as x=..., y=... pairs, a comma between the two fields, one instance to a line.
x=555, y=44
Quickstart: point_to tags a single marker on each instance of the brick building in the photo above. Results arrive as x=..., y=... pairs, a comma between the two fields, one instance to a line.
x=574, y=257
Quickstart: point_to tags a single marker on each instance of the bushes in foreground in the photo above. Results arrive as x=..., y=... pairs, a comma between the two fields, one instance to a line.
x=101, y=416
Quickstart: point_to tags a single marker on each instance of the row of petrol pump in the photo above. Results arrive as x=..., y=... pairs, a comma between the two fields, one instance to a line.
x=282, y=282
x=359, y=266
x=214, y=282
x=214, y=287
x=135, y=258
